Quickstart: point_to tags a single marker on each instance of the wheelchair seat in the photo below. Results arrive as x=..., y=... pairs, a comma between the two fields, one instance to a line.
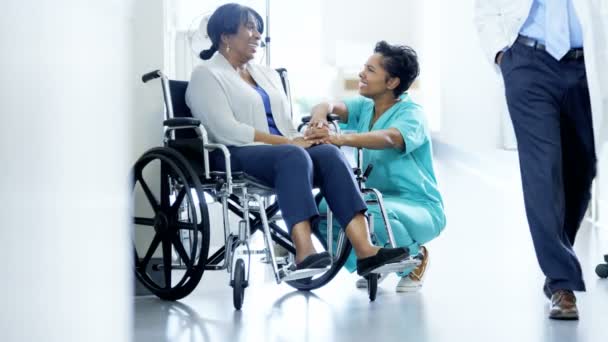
x=188, y=143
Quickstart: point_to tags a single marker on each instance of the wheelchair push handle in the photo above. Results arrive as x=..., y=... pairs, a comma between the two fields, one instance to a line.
x=362, y=177
x=330, y=117
x=368, y=170
x=151, y=75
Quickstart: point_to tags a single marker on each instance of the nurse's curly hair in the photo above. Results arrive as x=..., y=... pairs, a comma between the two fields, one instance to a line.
x=399, y=61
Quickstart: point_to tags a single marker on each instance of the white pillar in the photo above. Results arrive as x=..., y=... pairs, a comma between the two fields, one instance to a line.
x=65, y=97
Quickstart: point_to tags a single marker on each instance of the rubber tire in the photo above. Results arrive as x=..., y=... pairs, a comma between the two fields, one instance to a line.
x=372, y=286
x=195, y=273
x=238, y=287
x=602, y=270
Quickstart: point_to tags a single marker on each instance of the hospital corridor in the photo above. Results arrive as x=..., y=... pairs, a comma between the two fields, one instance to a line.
x=303, y=171
x=480, y=284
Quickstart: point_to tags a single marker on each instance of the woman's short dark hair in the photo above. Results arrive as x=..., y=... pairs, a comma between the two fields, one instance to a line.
x=226, y=20
x=399, y=61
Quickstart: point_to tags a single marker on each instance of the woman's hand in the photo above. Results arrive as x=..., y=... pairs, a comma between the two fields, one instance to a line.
x=334, y=139
x=317, y=131
x=318, y=115
x=302, y=142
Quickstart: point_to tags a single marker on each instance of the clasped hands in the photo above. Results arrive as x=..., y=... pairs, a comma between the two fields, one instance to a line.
x=318, y=132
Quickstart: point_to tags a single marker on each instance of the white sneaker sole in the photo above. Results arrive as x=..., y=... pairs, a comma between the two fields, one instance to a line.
x=409, y=286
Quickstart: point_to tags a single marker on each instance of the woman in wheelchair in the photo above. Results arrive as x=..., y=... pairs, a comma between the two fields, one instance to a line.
x=243, y=105
x=392, y=132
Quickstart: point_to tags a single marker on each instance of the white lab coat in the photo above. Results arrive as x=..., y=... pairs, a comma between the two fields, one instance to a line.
x=499, y=22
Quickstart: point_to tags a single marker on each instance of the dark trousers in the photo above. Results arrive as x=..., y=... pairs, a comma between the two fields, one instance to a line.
x=550, y=108
x=293, y=172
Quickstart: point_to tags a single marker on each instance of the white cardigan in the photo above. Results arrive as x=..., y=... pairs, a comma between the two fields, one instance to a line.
x=230, y=109
x=499, y=22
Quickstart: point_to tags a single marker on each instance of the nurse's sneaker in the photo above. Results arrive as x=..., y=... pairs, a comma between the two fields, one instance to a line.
x=362, y=282
x=413, y=281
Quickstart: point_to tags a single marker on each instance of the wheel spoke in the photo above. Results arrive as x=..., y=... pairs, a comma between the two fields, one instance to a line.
x=184, y=226
x=178, y=200
x=136, y=256
x=167, y=262
x=179, y=247
x=153, y=246
x=165, y=189
x=151, y=198
x=144, y=221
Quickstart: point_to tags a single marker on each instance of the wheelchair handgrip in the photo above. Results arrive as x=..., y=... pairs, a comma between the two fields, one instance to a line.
x=150, y=76
x=368, y=170
x=330, y=117
x=333, y=117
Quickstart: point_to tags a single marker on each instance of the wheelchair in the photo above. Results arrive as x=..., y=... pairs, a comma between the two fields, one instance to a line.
x=172, y=222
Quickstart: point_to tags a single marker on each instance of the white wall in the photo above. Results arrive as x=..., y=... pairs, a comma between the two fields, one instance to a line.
x=350, y=29
x=147, y=112
x=148, y=55
x=66, y=101
x=472, y=97
x=355, y=21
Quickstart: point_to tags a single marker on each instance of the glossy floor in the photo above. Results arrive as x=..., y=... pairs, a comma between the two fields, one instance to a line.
x=483, y=284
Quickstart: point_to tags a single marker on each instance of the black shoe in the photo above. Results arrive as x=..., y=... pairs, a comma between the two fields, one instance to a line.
x=384, y=256
x=319, y=260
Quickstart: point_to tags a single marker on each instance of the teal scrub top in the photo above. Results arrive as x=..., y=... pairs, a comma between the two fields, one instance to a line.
x=407, y=174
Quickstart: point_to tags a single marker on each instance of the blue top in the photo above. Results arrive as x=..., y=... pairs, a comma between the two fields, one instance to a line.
x=272, y=126
x=408, y=174
x=536, y=25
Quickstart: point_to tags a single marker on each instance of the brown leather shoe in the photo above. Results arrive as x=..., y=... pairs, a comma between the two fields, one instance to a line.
x=563, y=305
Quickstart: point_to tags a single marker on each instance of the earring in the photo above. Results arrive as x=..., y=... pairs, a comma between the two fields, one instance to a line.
x=227, y=48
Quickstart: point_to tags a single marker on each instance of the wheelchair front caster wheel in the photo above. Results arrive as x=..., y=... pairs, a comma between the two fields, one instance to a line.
x=239, y=284
x=372, y=286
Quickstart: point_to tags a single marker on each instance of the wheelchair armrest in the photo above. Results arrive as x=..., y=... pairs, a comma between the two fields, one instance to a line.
x=181, y=122
x=330, y=118
x=227, y=162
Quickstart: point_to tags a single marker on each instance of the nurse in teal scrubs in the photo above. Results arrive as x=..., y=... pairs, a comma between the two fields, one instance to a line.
x=392, y=130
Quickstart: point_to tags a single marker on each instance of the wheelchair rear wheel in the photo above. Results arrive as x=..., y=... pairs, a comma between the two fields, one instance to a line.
x=171, y=214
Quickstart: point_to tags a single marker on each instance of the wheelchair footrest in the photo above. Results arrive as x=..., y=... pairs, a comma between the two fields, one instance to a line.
x=397, y=267
x=279, y=260
x=287, y=275
x=252, y=252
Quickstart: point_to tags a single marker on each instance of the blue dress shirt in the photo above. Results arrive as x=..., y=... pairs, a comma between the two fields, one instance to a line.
x=536, y=25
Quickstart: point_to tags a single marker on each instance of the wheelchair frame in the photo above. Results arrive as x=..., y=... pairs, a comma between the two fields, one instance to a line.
x=235, y=192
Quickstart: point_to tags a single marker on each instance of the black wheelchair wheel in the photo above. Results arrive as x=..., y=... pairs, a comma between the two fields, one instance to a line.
x=178, y=223
x=238, y=286
x=340, y=254
x=602, y=270
x=372, y=286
